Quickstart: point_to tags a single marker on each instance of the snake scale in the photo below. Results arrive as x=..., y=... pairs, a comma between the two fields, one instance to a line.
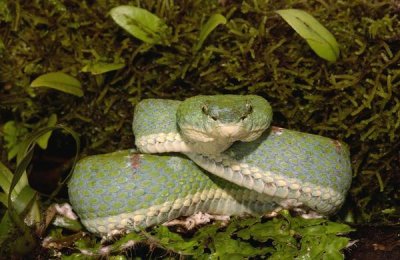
x=266, y=171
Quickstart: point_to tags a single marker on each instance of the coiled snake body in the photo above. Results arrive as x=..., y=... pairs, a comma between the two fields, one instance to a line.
x=265, y=172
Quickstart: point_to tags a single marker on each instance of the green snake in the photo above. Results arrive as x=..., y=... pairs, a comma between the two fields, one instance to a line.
x=269, y=169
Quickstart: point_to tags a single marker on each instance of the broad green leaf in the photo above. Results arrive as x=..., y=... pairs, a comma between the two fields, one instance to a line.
x=59, y=81
x=317, y=36
x=141, y=24
x=5, y=178
x=101, y=67
x=208, y=27
x=44, y=139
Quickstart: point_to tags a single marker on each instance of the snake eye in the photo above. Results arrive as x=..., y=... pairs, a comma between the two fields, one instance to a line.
x=249, y=110
x=204, y=109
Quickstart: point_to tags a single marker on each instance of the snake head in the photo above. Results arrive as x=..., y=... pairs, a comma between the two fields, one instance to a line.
x=223, y=118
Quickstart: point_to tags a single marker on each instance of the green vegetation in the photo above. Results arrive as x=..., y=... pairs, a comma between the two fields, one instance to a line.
x=280, y=238
x=204, y=47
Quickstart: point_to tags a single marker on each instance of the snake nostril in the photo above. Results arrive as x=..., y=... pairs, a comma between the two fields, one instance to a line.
x=210, y=114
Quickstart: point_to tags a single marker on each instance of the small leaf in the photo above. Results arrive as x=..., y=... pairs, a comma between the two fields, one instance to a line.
x=13, y=133
x=44, y=139
x=5, y=13
x=59, y=81
x=208, y=27
x=141, y=23
x=317, y=36
x=64, y=222
x=101, y=67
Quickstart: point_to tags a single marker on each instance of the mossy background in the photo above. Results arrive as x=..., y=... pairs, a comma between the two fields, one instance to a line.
x=355, y=99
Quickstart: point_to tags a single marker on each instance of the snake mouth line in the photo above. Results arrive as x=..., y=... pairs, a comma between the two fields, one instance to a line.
x=222, y=133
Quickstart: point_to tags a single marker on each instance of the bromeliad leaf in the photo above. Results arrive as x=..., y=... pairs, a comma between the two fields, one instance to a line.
x=59, y=81
x=208, y=27
x=141, y=24
x=317, y=36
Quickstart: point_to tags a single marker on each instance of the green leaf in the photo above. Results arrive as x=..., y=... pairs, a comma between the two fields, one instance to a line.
x=337, y=228
x=59, y=81
x=101, y=67
x=4, y=199
x=21, y=198
x=44, y=139
x=5, y=178
x=208, y=27
x=317, y=36
x=141, y=24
